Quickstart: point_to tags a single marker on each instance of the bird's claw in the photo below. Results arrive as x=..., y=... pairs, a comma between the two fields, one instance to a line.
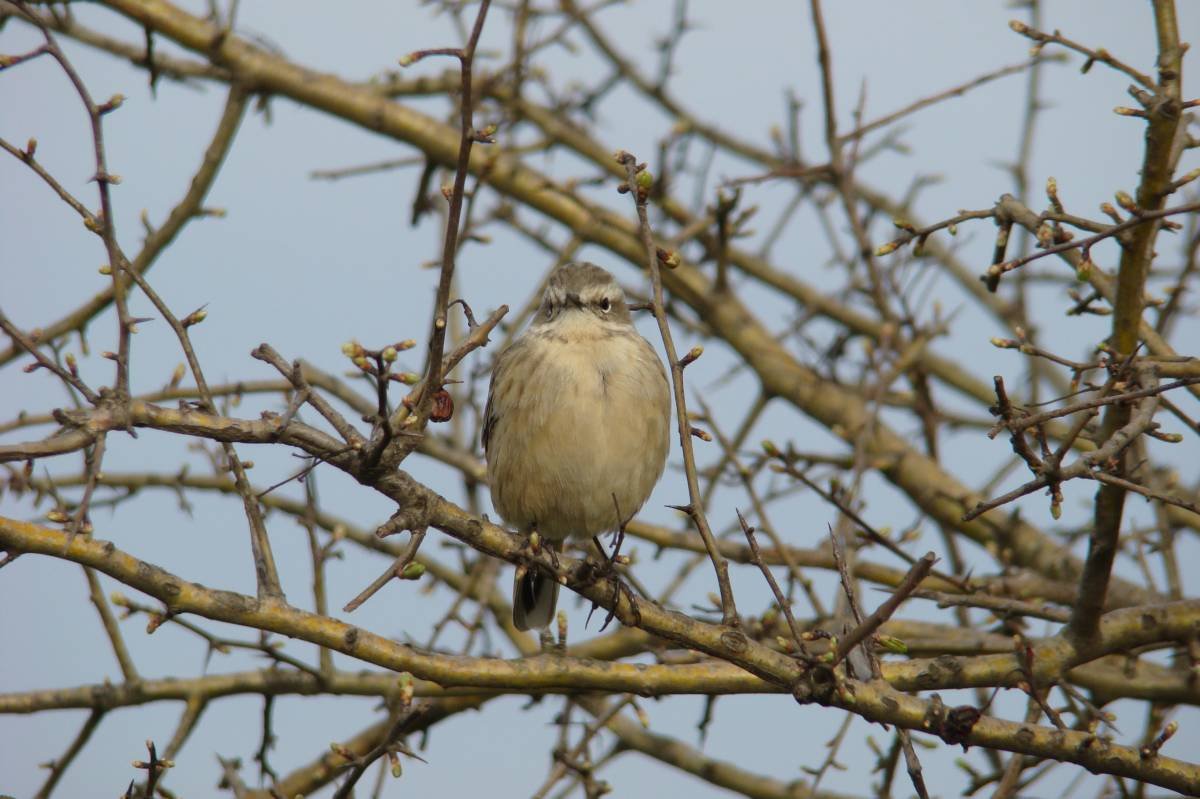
x=606, y=568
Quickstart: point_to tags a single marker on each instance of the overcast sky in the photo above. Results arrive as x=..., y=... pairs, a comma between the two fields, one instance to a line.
x=307, y=265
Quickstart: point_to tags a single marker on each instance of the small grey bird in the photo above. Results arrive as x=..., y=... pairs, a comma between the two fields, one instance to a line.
x=577, y=424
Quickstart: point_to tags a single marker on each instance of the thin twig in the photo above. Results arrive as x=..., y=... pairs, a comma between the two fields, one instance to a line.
x=27, y=344
x=695, y=508
x=59, y=766
x=393, y=572
x=1098, y=54
x=780, y=599
x=993, y=273
x=945, y=94
x=869, y=625
x=295, y=375
x=468, y=136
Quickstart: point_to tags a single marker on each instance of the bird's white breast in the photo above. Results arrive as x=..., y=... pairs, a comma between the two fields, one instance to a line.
x=582, y=433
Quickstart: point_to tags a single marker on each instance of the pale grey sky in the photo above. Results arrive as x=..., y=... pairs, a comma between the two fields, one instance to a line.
x=307, y=265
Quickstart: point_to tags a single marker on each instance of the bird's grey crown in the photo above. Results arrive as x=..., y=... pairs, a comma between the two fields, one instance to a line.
x=583, y=286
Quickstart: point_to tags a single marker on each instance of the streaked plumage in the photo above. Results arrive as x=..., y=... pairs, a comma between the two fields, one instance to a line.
x=578, y=413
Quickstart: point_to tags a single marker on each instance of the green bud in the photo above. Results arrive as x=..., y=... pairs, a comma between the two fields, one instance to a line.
x=892, y=644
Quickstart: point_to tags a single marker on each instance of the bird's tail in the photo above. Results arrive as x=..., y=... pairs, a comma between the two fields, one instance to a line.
x=535, y=596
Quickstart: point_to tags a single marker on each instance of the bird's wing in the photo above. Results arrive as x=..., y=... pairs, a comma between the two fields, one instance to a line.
x=490, y=417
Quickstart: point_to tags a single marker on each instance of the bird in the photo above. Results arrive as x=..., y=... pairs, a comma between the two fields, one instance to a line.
x=576, y=426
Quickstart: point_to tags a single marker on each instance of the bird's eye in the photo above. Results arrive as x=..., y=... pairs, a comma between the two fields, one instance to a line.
x=605, y=305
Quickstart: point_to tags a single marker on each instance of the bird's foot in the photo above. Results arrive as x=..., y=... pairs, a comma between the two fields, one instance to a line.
x=532, y=548
x=606, y=569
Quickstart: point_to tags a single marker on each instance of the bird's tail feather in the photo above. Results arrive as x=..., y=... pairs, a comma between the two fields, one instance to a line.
x=534, y=598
